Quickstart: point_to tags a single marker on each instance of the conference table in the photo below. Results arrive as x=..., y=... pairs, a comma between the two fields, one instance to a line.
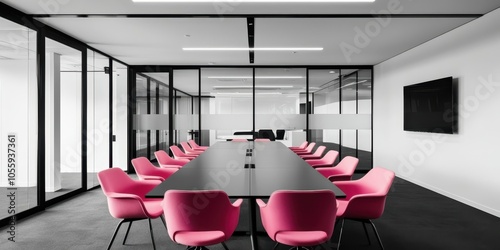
x=249, y=170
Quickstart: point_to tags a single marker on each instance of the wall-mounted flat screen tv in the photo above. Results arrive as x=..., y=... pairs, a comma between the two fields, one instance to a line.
x=431, y=107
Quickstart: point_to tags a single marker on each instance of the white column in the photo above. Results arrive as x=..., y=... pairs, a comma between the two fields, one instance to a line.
x=53, y=128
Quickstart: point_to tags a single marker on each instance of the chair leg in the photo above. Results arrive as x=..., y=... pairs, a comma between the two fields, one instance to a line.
x=366, y=233
x=275, y=246
x=162, y=217
x=126, y=234
x=114, y=234
x=340, y=234
x=376, y=233
x=151, y=231
x=224, y=245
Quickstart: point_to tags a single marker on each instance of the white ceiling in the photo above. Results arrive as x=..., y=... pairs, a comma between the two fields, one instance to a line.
x=159, y=41
x=237, y=7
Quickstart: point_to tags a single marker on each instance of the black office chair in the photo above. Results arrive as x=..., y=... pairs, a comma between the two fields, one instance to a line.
x=280, y=134
x=267, y=133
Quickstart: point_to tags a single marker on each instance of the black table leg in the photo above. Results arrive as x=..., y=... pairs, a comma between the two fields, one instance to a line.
x=253, y=223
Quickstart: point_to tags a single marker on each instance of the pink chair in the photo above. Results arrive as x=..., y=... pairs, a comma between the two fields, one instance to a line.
x=166, y=161
x=327, y=160
x=306, y=151
x=239, y=140
x=365, y=199
x=126, y=200
x=343, y=171
x=189, y=150
x=179, y=155
x=145, y=170
x=196, y=146
x=301, y=147
x=319, y=152
x=262, y=140
x=299, y=218
x=198, y=226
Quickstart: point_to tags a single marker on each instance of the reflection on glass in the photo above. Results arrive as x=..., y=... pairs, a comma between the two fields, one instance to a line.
x=227, y=104
x=163, y=110
x=120, y=117
x=281, y=104
x=142, y=90
x=97, y=116
x=18, y=115
x=186, y=89
x=324, y=88
x=63, y=111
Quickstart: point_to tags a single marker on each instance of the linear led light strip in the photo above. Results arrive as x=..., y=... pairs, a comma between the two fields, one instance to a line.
x=255, y=1
x=257, y=77
x=250, y=87
x=254, y=49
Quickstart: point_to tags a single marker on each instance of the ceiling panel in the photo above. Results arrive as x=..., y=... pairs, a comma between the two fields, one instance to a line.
x=237, y=7
x=345, y=41
x=160, y=41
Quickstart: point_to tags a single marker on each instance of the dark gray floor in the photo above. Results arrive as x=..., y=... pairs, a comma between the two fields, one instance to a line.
x=415, y=218
x=27, y=197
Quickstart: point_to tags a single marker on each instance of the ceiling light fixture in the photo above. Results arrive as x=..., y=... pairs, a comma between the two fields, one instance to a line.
x=257, y=77
x=256, y=86
x=255, y=49
x=256, y=1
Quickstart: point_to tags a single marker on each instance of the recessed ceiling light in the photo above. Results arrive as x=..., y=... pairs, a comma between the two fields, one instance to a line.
x=257, y=1
x=254, y=49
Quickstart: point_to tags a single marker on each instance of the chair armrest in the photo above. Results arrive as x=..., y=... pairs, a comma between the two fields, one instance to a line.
x=170, y=166
x=261, y=203
x=122, y=196
x=152, y=178
x=237, y=203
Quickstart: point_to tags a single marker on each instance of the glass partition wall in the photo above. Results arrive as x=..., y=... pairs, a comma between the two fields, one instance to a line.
x=63, y=119
x=98, y=109
x=341, y=112
x=280, y=104
x=18, y=117
x=329, y=106
x=57, y=101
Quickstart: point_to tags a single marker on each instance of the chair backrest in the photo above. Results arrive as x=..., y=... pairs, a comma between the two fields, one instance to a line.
x=176, y=151
x=310, y=147
x=164, y=159
x=371, y=191
x=300, y=210
x=239, y=140
x=143, y=167
x=262, y=139
x=193, y=144
x=204, y=210
x=330, y=157
x=303, y=145
x=114, y=180
x=186, y=147
x=280, y=134
x=319, y=151
x=347, y=165
x=267, y=133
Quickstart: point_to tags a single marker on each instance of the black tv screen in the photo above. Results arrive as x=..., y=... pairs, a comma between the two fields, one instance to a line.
x=431, y=107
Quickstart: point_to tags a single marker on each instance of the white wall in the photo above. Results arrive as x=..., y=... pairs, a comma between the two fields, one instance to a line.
x=463, y=166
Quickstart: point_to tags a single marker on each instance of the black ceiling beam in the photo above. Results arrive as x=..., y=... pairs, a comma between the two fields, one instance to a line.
x=257, y=15
x=251, y=37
